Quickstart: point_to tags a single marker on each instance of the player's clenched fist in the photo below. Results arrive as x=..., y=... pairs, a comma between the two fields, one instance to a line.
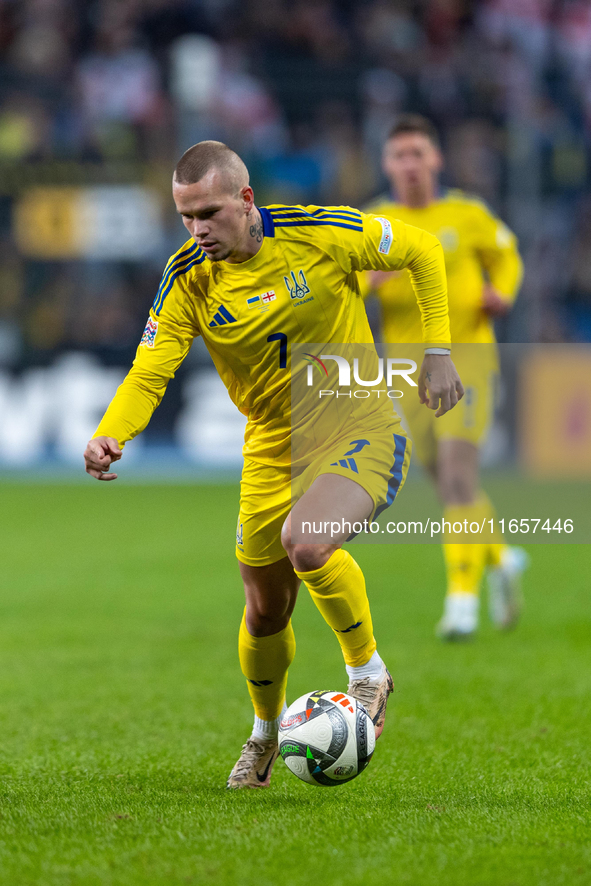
x=99, y=456
x=439, y=383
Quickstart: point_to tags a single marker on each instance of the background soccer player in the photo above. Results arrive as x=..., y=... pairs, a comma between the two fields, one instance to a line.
x=484, y=272
x=234, y=283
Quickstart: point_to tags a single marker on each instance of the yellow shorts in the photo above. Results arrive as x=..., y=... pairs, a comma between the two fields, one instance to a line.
x=378, y=462
x=472, y=417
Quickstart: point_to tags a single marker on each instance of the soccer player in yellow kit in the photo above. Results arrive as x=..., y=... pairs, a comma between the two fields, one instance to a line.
x=483, y=273
x=252, y=281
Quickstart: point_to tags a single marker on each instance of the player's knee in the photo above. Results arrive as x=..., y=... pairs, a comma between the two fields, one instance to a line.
x=286, y=540
x=268, y=616
x=456, y=489
x=261, y=624
x=306, y=557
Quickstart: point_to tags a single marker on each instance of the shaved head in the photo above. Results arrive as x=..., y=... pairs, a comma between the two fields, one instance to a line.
x=210, y=156
x=216, y=203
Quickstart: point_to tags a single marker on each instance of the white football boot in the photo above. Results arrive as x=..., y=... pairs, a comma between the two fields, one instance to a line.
x=460, y=617
x=255, y=764
x=505, y=600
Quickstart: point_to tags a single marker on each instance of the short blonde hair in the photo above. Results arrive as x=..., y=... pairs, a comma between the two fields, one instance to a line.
x=198, y=160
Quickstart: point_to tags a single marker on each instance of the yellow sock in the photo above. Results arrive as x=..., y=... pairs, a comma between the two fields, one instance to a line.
x=264, y=662
x=338, y=590
x=496, y=543
x=464, y=565
x=495, y=554
x=466, y=557
x=466, y=560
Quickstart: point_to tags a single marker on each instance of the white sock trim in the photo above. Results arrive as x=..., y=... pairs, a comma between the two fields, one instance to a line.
x=462, y=605
x=461, y=611
x=267, y=729
x=372, y=669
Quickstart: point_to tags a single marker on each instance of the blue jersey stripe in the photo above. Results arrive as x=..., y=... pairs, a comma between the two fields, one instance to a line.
x=163, y=290
x=329, y=215
x=350, y=213
x=396, y=471
x=175, y=258
x=281, y=213
x=316, y=223
x=175, y=261
x=189, y=255
x=160, y=301
x=219, y=319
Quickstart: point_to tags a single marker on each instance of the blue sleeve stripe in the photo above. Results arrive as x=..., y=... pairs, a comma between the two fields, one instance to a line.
x=175, y=262
x=268, y=226
x=356, y=219
x=332, y=215
x=169, y=278
x=316, y=223
x=177, y=257
x=320, y=212
x=160, y=299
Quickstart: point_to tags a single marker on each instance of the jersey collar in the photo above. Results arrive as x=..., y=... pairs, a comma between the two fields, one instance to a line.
x=268, y=224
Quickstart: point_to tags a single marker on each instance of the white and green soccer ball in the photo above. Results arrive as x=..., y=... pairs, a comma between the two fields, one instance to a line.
x=326, y=738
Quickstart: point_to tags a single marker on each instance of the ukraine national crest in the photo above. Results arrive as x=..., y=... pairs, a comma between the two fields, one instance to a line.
x=149, y=334
x=297, y=287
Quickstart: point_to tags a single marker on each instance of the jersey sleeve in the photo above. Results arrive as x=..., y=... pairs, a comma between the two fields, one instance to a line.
x=360, y=241
x=391, y=245
x=497, y=247
x=165, y=343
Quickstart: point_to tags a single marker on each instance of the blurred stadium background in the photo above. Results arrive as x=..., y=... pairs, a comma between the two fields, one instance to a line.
x=98, y=100
x=121, y=701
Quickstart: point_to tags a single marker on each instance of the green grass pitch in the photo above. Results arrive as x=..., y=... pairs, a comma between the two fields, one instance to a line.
x=122, y=710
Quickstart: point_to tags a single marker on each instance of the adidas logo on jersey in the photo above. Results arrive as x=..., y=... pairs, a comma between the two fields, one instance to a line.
x=222, y=317
x=346, y=463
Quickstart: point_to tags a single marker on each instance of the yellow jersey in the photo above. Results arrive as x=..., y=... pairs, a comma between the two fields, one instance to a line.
x=301, y=286
x=475, y=243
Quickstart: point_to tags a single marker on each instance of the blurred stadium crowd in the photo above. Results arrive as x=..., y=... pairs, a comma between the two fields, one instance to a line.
x=110, y=92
